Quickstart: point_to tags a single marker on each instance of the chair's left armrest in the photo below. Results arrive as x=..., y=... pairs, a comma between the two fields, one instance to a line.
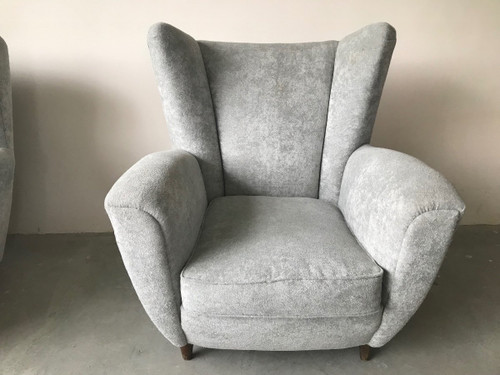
x=404, y=214
x=156, y=209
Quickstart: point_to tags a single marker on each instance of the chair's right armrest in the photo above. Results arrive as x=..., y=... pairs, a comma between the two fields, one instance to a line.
x=156, y=209
x=404, y=214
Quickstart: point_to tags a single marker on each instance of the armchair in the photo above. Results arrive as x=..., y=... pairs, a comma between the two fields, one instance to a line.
x=275, y=226
x=6, y=145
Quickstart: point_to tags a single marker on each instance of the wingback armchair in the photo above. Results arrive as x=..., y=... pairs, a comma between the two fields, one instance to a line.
x=6, y=145
x=275, y=225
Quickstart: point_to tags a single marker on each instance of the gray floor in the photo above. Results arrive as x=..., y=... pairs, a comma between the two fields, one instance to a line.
x=67, y=307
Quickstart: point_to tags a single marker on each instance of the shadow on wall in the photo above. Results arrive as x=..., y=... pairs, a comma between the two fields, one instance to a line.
x=64, y=155
x=428, y=116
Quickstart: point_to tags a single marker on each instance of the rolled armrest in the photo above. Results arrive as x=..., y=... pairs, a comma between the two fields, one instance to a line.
x=404, y=214
x=156, y=209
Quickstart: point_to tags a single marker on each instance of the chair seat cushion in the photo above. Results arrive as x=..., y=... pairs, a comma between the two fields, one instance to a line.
x=279, y=258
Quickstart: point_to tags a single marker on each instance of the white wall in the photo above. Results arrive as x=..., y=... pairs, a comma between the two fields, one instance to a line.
x=86, y=104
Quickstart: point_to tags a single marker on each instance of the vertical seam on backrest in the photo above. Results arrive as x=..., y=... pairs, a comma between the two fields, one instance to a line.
x=326, y=121
x=215, y=121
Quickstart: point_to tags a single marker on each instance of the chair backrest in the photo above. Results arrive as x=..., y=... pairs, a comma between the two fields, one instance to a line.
x=271, y=119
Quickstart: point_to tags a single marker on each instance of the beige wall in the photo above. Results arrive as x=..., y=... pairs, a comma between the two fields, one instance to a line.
x=86, y=105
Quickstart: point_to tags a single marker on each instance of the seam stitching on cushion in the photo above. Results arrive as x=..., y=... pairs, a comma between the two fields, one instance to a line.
x=285, y=316
x=288, y=280
x=215, y=120
x=326, y=120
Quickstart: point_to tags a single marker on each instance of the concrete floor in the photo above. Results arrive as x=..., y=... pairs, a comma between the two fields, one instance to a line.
x=68, y=307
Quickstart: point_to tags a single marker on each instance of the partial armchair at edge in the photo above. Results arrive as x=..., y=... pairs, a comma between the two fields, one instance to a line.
x=275, y=225
x=6, y=145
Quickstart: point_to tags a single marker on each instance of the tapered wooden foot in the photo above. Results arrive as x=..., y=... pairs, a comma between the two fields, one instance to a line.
x=364, y=352
x=187, y=352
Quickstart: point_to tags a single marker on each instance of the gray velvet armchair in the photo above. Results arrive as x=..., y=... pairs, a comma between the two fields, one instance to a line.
x=275, y=225
x=6, y=145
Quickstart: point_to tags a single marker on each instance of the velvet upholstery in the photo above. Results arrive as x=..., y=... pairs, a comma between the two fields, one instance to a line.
x=156, y=209
x=271, y=104
x=361, y=65
x=404, y=214
x=278, y=333
x=276, y=227
x=7, y=161
x=267, y=253
x=187, y=104
x=256, y=259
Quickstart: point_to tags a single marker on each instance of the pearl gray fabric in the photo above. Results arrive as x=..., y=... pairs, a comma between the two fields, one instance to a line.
x=361, y=65
x=276, y=333
x=187, y=104
x=258, y=257
x=404, y=214
x=275, y=227
x=296, y=110
x=267, y=253
x=7, y=162
x=156, y=209
x=271, y=104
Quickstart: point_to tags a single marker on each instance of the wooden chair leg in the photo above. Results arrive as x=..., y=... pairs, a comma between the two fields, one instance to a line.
x=364, y=352
x=187, y=352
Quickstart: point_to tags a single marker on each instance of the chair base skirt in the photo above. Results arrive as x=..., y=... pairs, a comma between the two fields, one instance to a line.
x=279, y=334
